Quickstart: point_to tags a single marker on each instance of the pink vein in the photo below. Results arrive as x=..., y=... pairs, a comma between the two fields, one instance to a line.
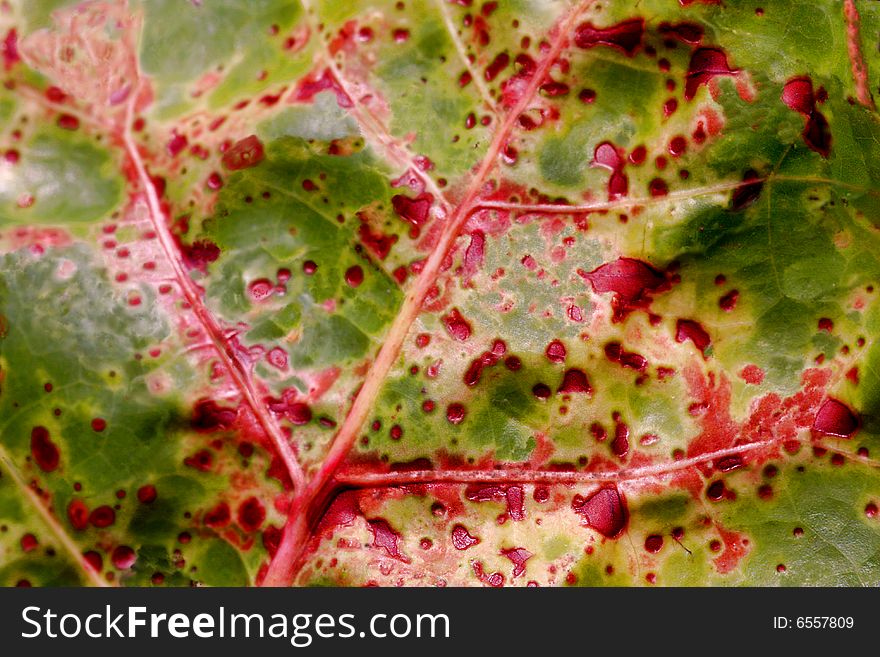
x=237, y=369
x=512, y=475
x=856, y=60
x=281, y=570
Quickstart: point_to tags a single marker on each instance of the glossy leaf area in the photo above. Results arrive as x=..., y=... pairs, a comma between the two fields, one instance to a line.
x=439, y=292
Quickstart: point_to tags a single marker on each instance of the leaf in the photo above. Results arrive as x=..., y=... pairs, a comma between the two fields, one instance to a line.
x=439, y=293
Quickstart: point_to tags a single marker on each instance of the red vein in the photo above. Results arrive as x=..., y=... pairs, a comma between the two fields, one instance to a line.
x=281, y=569
x=237, y=369
x=51, y=521
x=854, y=49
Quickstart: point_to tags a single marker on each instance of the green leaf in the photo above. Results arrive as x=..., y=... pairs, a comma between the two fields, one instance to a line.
x=432, y=293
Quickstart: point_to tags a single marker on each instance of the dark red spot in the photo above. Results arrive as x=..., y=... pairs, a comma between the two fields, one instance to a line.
x=456, y=325
x=826, y=324
x=414, y=210
x=728, y=302
x=247, y=152
x=658, y=187
x=94, y=560
x=147, y=494
x=575, y=381
x=541, y=391
x=68, y=122
x=123, y=557
x=638, y=154
x=607, y=155
x=219, y=516
x=78, y=514
x=9, y=49
x=605, y=511
x=201, y=460
x=251, y=514
x=677, y=146
x=705, y=64
x=615, y=352
x=378, y=243
x=715, y=491
x=43, y=450
x=386, y=538
x=688, y=329
x=836, y=419
x=214, y=181
x=176, y=144
x=208, y=417
x=102, y=516
x=555, y=352
x=200, y=254
x=261, y=289
x=587, y=96
x=871, y=510
x=620, y=444
x=625, y=36
x=498, y=64
x=461, y=539
x=654, y=543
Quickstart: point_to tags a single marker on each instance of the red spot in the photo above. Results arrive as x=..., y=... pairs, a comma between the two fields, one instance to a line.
x=214, y=181
x=271, y=539
x=208, y=417
x=688, y=329
x=78, y=514
x=455, y=413
x=386, y=538
x=473, y=256
x=752, y=374
x=219, y=516
x=147, y=494
x=461, y=539
x=587, y=96
x=414, y=210
x=677, y=146
x=123, y=557
x=705, y=64
x=43, y=450
x=68, y=122
x=176, y=144
x=9, y=48
x=277, y=358
x=555, y=352
x=200, y=254
x=201, y=460
x=310, y=86
x=251, y=514
x=244, y=153
x=498, y=64
x=29, y=542
x=575, y=381
x=518, y=556
x=620, y=444
x=638, y=155
x=456, y=325
x=797, y=94
x=658, y=187
x=378, y=243
x=654, y=543
x=836, y=419
x=630, y=280
x=728, y=302
x=625, y=36
x=102, y=516
x=604, y=511
x=825, y=324
x=511, y=494
x=94, y=560
x=354, y=276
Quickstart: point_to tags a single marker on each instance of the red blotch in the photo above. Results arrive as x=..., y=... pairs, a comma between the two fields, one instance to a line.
x=632, y=281
x=798, y=95
x=836, y=419
x=605, y=511
x=575, y=381
x=555, y=352
x=413, y=210
x=123, y=557
x=607, y=155
x=386, y=538
x=705, y=64
x=461, y=539
x=219, y=516
x=208, y=417
x=78, y=514
x=518, y=556
x=752, y=374
x=9, y=48
x=688, y=329
x=625, y=36
x=689, y=33
x=654, y=543
x=245, y=153
x=102, y=516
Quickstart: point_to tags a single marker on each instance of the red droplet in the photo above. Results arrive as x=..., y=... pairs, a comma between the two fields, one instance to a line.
x=461, y=539
x=455, y=413
x=43, y=450
x=836, y=419
x=625, y=36
x=354, y=276
x=604, y=511
x=29, y=542
x=658, y=187
x=123, y=557
x=214, y=181
x=68, y=122
x=728, y=302
x=147, y=494
x=244, y=153
x=498, y=64
x=94, y=560
x=677, y=146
